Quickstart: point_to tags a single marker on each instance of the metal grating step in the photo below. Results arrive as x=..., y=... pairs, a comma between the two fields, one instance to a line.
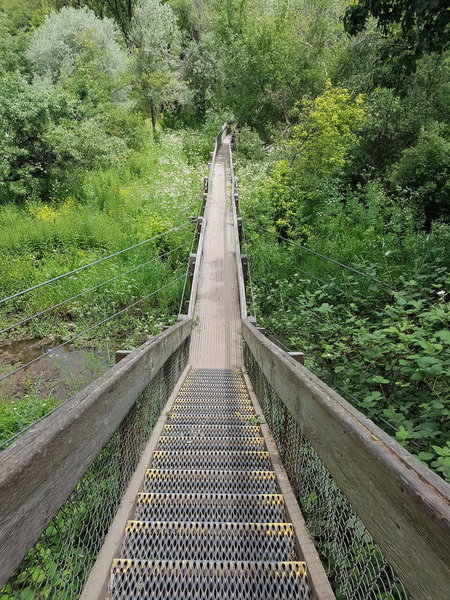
x=212, y=430
x=200, y=442
x=177, y=540
x=209, y=580
x=190, y=418
x=198, y=481
x=201, y=387
x=263, y=508
x=212, y=408
x=212, y=460
x=226, y=398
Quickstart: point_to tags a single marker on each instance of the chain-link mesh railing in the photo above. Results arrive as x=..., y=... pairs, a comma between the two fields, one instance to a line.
x=354, y=564
x=57, y=566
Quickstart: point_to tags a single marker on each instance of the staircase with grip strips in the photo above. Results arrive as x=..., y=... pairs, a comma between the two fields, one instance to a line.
x=210, y=522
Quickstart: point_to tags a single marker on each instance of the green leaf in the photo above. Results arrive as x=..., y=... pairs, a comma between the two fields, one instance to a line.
x=444, y=334
x=379, y=379
x=425, y=455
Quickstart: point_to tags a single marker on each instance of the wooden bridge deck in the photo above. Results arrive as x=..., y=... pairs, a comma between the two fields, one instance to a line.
x=216, y=337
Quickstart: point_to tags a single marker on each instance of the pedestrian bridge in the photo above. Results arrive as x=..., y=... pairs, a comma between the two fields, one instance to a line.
x=211, y=464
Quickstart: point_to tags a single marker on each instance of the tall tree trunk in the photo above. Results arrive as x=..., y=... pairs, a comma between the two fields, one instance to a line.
x=153, y=117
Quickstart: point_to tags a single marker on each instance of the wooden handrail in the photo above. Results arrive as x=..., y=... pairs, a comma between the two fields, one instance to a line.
x=403, y=504
x=40, y=470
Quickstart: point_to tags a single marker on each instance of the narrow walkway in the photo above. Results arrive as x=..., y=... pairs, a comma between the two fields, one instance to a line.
x=210, y=522
x=216, y=339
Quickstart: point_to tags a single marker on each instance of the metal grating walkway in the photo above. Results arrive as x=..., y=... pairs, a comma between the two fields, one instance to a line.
x=210, y=522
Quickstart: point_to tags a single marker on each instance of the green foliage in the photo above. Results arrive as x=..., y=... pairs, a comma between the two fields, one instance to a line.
x=423, y=26
x=25, y=112
x=14, y=416
x=386, y=352
x=424, y=169
x=59, y=41
x=325, y=130
x=156, y=40
x=248, y=144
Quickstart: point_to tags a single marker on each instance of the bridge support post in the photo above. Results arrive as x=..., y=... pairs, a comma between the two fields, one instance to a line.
x=244, y=263
x=199, y=224
x=239, y=227
x=236, y=203
x=205, y=199
x=192, y=261
x=121, y=354
x=298, y=356
x=205, y=184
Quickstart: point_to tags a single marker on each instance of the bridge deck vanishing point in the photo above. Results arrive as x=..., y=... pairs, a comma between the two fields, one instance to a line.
x=210, y=520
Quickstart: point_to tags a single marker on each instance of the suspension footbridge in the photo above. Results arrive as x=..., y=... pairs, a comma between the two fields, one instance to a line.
x=211, y=464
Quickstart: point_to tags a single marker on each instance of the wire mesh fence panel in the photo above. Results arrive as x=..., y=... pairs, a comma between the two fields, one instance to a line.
x=58, y=564
x=354, y=564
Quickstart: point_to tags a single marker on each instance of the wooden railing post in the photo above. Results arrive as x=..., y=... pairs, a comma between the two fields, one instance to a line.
x=121, y=354
x=192, y=261
x=236, y=203
x=244, y=262
x=239, y=228
x=298, y=356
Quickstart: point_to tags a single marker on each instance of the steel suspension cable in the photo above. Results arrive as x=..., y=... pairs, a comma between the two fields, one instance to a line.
x=186, y=276
x=89, y=329
x=95, y=262
x=336, y=262
x=91, y=289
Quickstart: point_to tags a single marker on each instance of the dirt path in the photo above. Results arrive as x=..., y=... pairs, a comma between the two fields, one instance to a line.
x=216, y=339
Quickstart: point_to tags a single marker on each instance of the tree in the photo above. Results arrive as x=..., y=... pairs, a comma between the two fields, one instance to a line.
x=424, y=170
x=24, y=155
x=415, y=27
x=325, y=131
x=157, y=45
x=61, y=39
x=120, y=10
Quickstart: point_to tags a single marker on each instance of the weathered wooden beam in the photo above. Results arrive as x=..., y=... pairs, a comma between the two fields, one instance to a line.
x=205, y=184
x=40, y=469
x=402, y=503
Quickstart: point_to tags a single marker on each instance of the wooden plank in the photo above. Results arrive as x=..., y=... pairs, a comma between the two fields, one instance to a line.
x=237, y=245
x=402, y=503
x=40, y=470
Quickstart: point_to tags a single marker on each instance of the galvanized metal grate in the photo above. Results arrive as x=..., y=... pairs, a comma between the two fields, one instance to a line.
x=201, y=442
x=211, y=418
x=256, y=508
x=194, y=580
x=354, y=563
x=174, y=540
x=199, y=481
x=212, y=430
x=211, y=460
x=58, y=564
x=213, y=407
